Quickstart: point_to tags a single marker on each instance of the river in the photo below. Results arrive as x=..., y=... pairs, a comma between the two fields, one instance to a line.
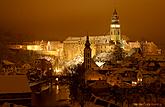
x=57, y=97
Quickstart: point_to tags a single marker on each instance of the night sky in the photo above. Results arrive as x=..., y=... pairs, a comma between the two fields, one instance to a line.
x=57, y=19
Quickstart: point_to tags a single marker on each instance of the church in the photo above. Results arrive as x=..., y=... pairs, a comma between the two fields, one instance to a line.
x=72, y=47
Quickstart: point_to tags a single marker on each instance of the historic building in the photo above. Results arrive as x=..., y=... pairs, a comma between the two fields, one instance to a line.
x=115, y=28
x=87, y=55
x=73, y=46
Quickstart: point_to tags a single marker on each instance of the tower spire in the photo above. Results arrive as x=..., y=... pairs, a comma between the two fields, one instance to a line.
x=87, y=44
x=87, y=54
x=115, y=27
x=115, y=17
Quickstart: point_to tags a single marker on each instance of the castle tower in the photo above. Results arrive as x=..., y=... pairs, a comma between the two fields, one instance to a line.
x=115, y=28
x=87, y=55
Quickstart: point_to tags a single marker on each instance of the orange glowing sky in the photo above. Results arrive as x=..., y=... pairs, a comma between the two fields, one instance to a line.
x=57, y=19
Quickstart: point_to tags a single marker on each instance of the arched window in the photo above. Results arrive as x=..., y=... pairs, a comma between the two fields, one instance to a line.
x=118, y=33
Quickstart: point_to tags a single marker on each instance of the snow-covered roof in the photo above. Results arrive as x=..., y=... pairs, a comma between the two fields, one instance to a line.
x=104, y=57
x=14, y=84
x=162, y=64
x=6, y=62
x=146, y=72
x=156, y=57
x=77, y=60
x=122, y=70
x=6, y=104
x=151, y=64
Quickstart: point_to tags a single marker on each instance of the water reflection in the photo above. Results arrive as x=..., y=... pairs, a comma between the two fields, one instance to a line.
x=52, y=98
x=56, y=88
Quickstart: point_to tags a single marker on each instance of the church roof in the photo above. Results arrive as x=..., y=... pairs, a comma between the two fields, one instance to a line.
x=87, y=44
x=115, y=17
x=115, y=12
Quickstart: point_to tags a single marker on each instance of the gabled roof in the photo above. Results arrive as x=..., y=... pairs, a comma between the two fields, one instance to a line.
x=123, y=70
x=93, y=64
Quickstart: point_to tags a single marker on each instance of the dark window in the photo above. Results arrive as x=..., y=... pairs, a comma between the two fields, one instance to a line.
x=88, y=54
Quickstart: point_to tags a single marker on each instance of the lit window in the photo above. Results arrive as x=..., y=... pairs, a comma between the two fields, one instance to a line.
x=134, y=83
x=139, y=80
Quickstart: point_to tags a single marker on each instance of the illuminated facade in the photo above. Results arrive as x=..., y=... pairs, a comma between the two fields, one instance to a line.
x=115, y=28
x=74, y=46
x=54, y=48
x=148, y=48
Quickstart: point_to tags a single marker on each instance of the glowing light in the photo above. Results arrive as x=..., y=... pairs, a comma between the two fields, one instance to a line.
x=147, y=104
x=58, y=71
x=134, y=83
x=47, y=58
x=139, y=80
x=20, y=46
x=57, y=89
x=33, y=47
x=115, y=26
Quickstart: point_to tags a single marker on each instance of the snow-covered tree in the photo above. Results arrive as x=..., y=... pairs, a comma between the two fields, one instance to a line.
x=118, y=53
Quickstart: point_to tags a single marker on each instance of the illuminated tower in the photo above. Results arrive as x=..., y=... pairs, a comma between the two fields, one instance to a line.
x=87, y=55
x=115, y=27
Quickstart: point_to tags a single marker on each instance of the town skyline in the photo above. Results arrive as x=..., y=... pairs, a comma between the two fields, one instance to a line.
x=82, y=53
x=55, y=20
